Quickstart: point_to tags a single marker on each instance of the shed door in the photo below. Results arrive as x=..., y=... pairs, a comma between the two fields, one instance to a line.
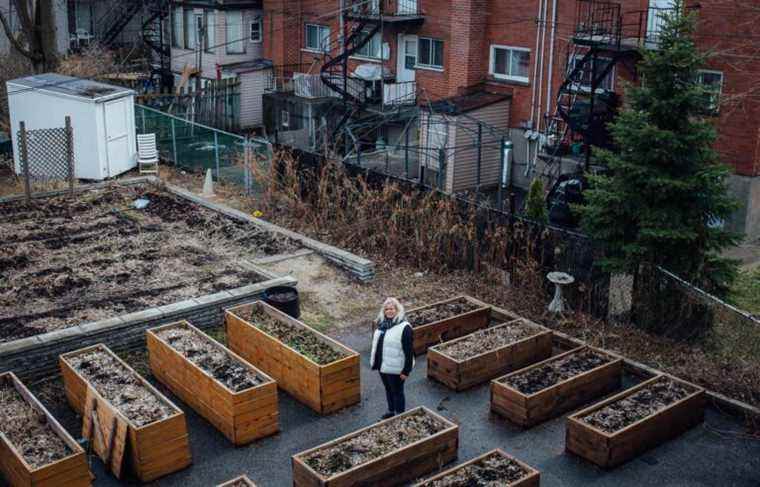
x=117, y=137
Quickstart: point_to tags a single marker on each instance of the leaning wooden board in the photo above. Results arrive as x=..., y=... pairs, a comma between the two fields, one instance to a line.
x=392, y=469
x=436, y=332
x=463, y=374
x=243, y=479
x=531, y=479
x=71, y=470
x=324, y=388
x=530, y=409
x=153, y=450
x=612, y=449
x=241, y=416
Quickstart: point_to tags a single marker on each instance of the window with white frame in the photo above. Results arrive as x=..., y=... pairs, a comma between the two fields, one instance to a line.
x=235, y=37
x=317, y=37
x=509, y=63
x=178, y=35
x=209, y=40
x=257, y=30
x=712, y=84
x=602, y=64
x=188, y=19
x=430, y=53
x=373, y=48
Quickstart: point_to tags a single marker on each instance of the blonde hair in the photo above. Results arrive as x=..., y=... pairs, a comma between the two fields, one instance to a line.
x=400, y=314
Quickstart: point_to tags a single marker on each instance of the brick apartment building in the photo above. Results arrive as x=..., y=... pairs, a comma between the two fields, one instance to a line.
x=519, y=49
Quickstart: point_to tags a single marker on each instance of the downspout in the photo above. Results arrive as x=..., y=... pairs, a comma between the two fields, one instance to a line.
x=551, y=58
x=540, y=84
x=535, y=87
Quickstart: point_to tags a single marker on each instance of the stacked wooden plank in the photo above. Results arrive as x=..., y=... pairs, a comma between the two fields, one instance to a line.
x=531, y=477
x=72, y=470
x=325, y=388
x=439, y=331
x=242, y=416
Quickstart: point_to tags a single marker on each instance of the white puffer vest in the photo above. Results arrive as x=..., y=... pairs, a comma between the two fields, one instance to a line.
x=393, y=349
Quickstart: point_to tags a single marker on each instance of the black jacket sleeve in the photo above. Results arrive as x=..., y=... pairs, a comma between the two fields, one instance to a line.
x=408, y=345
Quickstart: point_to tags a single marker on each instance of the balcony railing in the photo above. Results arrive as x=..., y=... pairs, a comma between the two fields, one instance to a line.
x=396, y=94
x=384, y=7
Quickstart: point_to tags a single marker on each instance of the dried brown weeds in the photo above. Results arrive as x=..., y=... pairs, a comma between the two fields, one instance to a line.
x=547, y=375
x=440, y=312
x=487, y=340
x=492, y=471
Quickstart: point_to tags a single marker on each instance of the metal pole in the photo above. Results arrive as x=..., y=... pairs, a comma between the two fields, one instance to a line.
x=406, y=153
x=500, y=195
x=70, y=153
x=480, y=155
x=216, y=153
x=441, y=168
x=142, y=113
x=174, y=144
x=24, y=155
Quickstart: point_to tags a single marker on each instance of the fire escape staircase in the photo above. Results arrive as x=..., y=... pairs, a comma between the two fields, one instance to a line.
x=118, y=18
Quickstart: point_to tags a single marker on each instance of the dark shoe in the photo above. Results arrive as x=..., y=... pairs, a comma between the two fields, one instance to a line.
x=387, y=415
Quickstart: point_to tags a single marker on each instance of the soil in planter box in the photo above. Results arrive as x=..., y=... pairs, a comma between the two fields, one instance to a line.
x=492, y=471
x=486, y=340
x=300, y=339
x=200, y=350
x=121, y=387
x=547, y=375
x=440, y=312
x=639, y=405
x=373, y=443
x=28, y=430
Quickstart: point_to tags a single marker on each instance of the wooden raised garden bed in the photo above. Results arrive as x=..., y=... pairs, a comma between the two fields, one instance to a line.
x=238, y=399
x=310, y=366
x=140, y=426
x=492, y=468
x=446, y=320
x=35, y=451
x=380, y=455
x=557, y=385
x=242, y=481
x=609, y=433
x=488, y=353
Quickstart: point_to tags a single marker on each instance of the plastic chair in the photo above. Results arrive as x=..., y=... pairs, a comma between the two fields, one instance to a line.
x=147, y=154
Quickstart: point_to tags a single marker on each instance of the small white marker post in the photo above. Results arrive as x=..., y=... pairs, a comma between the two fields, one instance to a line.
x=208, y=185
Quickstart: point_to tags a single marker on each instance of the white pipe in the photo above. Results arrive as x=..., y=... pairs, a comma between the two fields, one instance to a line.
x=541, y=69
x=551, y=58
x=535, y=66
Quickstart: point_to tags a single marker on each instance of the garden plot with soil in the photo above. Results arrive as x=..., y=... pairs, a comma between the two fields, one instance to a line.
x=67, y=261
x=446, y=320
x=492, y=469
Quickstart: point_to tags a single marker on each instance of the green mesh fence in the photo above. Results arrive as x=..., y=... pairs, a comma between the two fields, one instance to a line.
x=194, y=147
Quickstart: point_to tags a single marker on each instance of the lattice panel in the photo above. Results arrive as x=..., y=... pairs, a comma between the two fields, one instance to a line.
x=47, y=154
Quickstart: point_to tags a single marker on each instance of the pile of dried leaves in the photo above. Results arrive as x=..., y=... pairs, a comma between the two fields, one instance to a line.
x=302, y=340
x=440, y=312
x=494, y=470
x=28, y=430
x=202, y=351
x=121, y=387
x=373, y=443
x=556, y=371
x=639, y=405
x=487, y=340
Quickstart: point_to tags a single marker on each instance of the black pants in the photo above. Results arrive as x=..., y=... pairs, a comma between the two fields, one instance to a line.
x=394, y=392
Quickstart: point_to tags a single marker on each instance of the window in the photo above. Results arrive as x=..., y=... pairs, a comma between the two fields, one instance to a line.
x=511, y=63
x=602, y=64
x=372, y=49
x=317, y=38
x=430, y=53
x=209, y=40
x=257, y=30
x=178, y=35
x=712, y=84
x=235, y=37
x=187, y=21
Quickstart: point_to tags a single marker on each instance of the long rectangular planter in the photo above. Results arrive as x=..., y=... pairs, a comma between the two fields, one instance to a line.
x=152, y=450
x=241, y=416
x=463, y=374
x=436, y=332
x=612, y=449
x=528, y=410
x=531, y=479
x=394, y=468
x=238, y=481
x=324, y=388
x=71, y=470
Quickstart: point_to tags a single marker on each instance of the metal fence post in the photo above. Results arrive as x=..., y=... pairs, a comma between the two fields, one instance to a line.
x=406, y=152
x=24, y=156
x=142, y=116
x=174, y=144
x=70, y=153
x=480, y=156
x=247, y=165
x=216, y=153
x=441, y=168
x=500, y=195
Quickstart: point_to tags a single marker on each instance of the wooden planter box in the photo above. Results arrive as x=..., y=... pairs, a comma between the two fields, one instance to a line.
x=70, y=471
x=532, y=479
x=324, y=388
x=395, y=468
x=430, y=334
x=237, y=480
x=463, y=374
x=612, y=449
x=152, y=450
x=241, y=416
x=528, y=410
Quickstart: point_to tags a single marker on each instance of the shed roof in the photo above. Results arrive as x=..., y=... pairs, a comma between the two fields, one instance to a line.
x=68, y=85
x=247, y=66
x=457, y=105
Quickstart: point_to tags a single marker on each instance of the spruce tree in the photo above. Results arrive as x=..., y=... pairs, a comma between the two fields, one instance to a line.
x=535, y=204
x=666, y=190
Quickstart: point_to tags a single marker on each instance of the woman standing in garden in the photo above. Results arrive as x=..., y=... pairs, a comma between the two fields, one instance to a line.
x=392, y=353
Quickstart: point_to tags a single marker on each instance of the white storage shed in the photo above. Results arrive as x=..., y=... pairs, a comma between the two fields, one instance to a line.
x=102, y=118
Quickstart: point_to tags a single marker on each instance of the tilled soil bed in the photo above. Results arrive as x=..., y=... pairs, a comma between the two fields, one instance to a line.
x=373, y=443
x=440, y=312
x=486, y=340
x=645, y=402
x=28, y=430
x=198, y=348
x=67, y=261
x=121, y=387
x=539, y=378
x=300, y=339
x=495, y=470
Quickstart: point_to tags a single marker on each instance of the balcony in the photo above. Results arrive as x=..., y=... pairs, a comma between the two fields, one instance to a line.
x=400, y=94
x=400, y=12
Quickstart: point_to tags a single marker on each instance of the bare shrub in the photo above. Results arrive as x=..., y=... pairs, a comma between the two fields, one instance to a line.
x=92, y=62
